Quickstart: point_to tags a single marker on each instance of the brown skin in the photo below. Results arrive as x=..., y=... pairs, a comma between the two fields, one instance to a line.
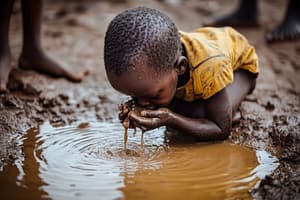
x=130, y=108
x=32, y=55
x=209, y=119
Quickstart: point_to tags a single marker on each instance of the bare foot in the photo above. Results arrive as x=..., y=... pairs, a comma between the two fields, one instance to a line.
x=245, y=15
x=288, y=30
x=5, y=68
x=41, y=62
x=236, y=19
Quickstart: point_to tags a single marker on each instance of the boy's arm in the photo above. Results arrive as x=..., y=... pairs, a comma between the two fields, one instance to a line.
x=216, y=126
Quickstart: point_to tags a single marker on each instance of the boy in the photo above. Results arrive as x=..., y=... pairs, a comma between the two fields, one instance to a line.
x=32, y=55
x=192, y=82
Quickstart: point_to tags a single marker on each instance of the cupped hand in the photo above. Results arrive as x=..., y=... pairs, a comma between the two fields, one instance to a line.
x=124, y=109
x=150, y=119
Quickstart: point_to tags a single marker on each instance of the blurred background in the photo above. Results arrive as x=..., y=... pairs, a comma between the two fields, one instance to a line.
x=74, y=30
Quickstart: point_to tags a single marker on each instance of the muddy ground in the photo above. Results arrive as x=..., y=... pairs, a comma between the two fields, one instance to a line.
x=73, y=31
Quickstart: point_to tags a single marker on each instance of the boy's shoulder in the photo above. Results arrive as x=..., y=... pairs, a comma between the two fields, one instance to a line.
x=207, y=42
x=202, y=44
x=212, y=33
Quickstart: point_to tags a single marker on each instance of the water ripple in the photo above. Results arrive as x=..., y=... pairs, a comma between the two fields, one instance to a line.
x=91, y=163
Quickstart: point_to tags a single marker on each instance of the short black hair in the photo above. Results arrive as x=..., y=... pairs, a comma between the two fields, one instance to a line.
x=140, y=33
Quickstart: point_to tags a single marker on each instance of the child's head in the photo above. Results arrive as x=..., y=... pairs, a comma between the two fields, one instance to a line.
x=142, y=56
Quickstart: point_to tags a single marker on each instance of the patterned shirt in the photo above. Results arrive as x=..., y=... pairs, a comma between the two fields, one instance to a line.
x=214, y=54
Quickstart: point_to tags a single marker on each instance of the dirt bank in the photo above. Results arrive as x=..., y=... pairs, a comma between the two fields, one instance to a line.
x=74, y=31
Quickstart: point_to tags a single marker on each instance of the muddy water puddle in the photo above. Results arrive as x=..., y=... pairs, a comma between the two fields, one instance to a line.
x=89, y=162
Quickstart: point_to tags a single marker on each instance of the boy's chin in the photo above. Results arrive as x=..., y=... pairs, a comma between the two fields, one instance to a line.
x=155, y=107
x=151, y=107
x=165, y=105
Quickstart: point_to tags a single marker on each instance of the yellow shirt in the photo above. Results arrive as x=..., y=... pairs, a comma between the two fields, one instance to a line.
x=214, y=54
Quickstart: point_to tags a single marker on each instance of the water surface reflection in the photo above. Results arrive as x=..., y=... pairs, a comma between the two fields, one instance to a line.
x=89, y=162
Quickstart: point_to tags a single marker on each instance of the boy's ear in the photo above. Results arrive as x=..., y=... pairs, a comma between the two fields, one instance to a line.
x=181, y=65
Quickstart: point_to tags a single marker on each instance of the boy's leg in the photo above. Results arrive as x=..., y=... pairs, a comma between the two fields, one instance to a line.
x=33, y=55
x=289, y=28
x=244, y=16
x=5, y=55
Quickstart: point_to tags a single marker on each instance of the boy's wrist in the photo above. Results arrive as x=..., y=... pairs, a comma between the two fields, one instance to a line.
x=171, y=119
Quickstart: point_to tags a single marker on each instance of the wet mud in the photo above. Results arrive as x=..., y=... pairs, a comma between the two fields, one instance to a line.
x=74, y=31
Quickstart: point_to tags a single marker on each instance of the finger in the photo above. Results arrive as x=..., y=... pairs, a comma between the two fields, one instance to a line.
x=150, y=113
x=120, y=107
x=143, y=121
x=143, y=128
x=123, y=114
x=126, y=123
x=128, y=104
x=76, y=77
x=126, y=110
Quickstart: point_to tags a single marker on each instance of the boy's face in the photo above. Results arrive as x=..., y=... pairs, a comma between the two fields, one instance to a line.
x=149, y=89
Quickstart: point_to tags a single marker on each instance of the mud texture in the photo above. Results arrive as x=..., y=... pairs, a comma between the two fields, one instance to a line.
x=74, y=31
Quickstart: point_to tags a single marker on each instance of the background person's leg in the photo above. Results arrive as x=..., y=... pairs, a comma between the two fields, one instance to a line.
x=5, y=54
x=33, y=55
x=245, y=15
x=289, y=29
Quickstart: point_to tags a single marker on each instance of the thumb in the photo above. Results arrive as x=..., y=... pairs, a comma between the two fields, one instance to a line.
x=150, y=113
x=126, y=123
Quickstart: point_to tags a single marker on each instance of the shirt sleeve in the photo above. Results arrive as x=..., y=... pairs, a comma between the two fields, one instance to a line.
x=212, y=76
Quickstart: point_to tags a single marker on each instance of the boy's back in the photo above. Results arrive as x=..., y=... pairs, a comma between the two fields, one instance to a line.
x=214, y=54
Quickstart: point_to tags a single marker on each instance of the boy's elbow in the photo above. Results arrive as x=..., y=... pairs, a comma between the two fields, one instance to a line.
x=225, y=129
x=219, y=134
x=215, y=136
x=224, y=134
